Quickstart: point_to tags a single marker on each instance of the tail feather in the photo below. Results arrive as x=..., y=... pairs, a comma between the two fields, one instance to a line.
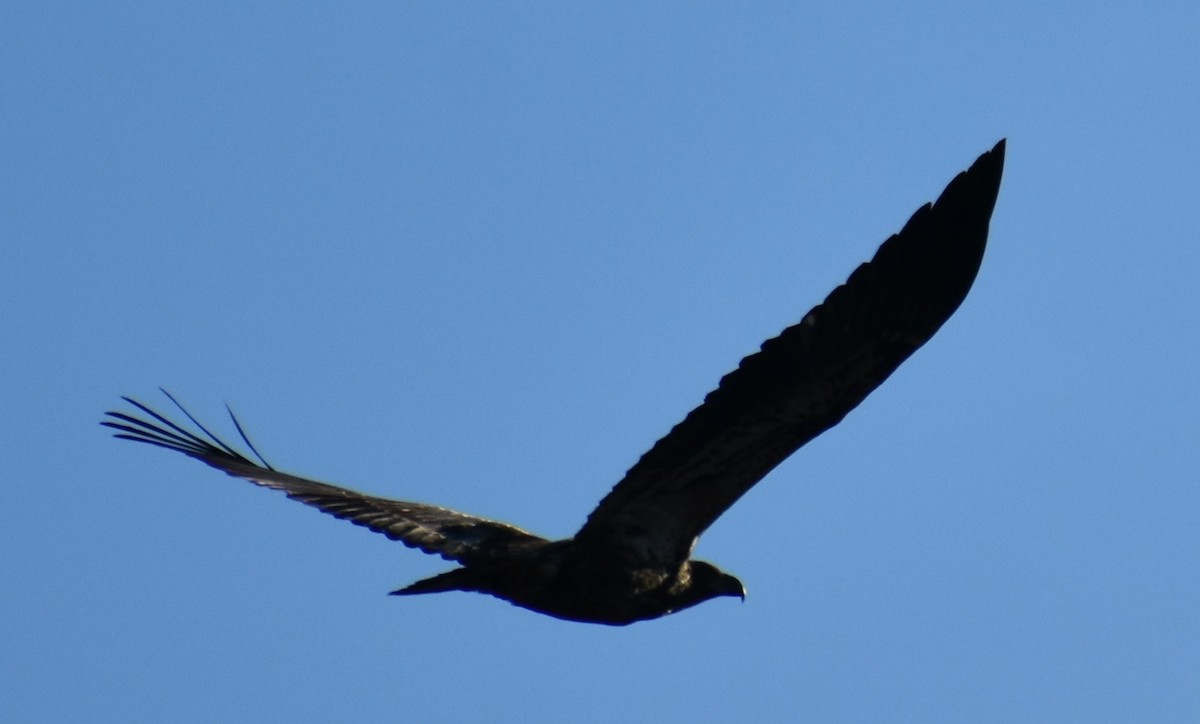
x=458, y=579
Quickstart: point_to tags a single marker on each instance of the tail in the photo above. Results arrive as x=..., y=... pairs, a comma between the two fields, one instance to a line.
x=459, y=579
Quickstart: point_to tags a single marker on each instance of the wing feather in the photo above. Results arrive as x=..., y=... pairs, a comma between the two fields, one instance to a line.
x=448, y=533
x=805, y=380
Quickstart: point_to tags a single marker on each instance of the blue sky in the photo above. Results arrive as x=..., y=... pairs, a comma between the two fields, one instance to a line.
x=484, y=255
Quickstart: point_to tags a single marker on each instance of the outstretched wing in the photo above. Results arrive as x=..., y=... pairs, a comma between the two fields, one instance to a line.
x=805, y=380
x=450, y=534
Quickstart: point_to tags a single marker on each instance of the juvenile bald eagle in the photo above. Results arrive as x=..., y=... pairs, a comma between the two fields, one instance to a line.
x=630, y=561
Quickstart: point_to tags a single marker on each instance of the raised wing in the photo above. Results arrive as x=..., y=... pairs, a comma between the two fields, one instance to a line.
x=805, y=380
x=450, y=534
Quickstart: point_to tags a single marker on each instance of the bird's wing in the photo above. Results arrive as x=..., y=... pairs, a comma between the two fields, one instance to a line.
x=805, y=380
x=450, y=534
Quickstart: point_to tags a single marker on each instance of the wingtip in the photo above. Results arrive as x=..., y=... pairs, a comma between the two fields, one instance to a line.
x=994, y=156
x=982, y=178
x=998, y=149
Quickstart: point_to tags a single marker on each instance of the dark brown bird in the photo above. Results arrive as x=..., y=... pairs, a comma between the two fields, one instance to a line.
x=630, y=561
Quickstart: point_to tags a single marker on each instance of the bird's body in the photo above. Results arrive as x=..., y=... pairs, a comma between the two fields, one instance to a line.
x=578, y=583
x=631, y=559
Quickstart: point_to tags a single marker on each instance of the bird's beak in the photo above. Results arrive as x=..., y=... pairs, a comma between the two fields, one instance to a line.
x=736, y=588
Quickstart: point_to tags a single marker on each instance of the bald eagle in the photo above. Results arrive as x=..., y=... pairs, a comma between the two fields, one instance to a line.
x=631, y=560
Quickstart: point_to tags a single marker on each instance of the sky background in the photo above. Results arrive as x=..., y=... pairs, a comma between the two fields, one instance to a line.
x=484, y=255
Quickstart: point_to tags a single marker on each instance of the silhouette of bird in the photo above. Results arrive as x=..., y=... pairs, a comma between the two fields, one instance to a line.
x=631, y=560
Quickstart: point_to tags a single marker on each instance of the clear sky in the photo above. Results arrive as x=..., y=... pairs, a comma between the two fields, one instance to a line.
x=484, y=255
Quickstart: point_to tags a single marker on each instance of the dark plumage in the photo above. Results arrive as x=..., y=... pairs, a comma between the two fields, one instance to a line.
x=630, y=561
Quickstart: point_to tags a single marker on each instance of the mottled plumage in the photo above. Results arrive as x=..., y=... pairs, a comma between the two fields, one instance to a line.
x=630, y=561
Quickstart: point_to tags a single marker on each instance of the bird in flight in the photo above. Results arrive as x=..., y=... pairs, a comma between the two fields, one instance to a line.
x=631, y=560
